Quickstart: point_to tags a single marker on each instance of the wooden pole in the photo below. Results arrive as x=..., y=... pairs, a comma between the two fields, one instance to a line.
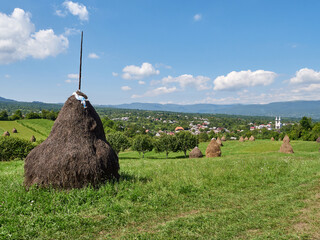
x=80, y=61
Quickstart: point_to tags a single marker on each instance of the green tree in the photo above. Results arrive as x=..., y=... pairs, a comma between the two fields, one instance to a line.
x=142, y=144
x=4, y=115
x=203, y=137
x=166, y=143
x=32, y=115
x=306, y=123
x=17, y=115
x=186, y=141
x=118, y=141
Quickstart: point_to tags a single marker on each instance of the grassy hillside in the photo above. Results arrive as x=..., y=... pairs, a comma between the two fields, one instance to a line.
x=40, y=128
x=252, y=192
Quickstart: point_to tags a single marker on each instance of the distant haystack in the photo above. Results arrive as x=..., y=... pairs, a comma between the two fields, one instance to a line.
x=286, y=139
x=14, y=130
x=280, y=139
x=318, y=140
x=195, y=153
x=286, y=148
x=6, y=134
x=241, y=139
x=219, y=142
x=213, y=149
x=272, y=139
x=246, y=138
x=223, y=139
x=251, y=138
x=33, y=139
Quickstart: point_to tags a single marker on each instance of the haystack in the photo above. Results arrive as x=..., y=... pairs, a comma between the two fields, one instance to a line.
x=280, y=139
x=76, y=153
x=286, y=148
x=14, y=130
x=213, y=149
x=219, y=142
x=251, y=138
x=272, y=139
x=318, y=140
x=33, y=139
x=286, y=139
x=195, y=153
x=241, y=139
x=6, y=134
x=223, y=139
x=246, y=139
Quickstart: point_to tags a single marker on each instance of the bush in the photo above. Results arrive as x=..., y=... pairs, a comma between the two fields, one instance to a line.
x=12, y=148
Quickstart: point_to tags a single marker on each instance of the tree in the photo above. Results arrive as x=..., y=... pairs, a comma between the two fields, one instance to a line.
x=4, y=115
x=186, y=141
x=306, y=123
x=142, y=144
x=32, y=115
x=166, y=143
x=203, y=137
x=118, y=141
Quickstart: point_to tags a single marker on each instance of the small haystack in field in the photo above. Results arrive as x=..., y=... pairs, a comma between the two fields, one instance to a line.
x=6, y=134
x=246, y=138
x=14, y=130
x=223, y=139
x=33, y=139
x=76, y=153
x=219, y=142
x=318, y=140
x=241, y=139
x=286, y=139
x=272, y=139
x=195, y=153
x=213, y=149
x=252, y=139
x=280, y=139
x=286, y=148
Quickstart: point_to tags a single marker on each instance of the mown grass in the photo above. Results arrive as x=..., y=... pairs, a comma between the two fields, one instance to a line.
x=252, y=192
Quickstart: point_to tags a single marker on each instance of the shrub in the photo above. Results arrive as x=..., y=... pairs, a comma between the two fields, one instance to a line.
x=12, y=148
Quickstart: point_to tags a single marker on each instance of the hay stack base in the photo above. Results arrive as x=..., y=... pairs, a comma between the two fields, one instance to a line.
x=213, y=149
x=286, y=148
x=195, y=153
x=318, y=140
x=6, y=134
x=76, y=153
x=252, y=139
x=272, y=139
x=241, y=139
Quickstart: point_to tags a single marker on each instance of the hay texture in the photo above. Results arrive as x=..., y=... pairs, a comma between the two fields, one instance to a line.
x=14, y=130
x=219, y=142
x=318, y=140
x=252, y=139
x=213, y=149
x=6, y=134
x=195, y=153
x=241, y=139
x=280, y=139
x=286, y=139
x=286, y=148
x=223, y=139
x=33, y=139
x=75, y=154
x=272, y=139
x=246, y=138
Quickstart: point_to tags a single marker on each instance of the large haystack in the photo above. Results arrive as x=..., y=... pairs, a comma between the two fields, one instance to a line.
x=318, y=140
x=223, y=139
x=286, y=148
x=286, y=139
x=252, y=138
x=195, y=153
x=246, y=138
x=6, y=134
x=213, y=149
x=272, y=139
x=219, y=142
x=241, y=139
x=75, y=154
x=33, y=139
x=14, y=130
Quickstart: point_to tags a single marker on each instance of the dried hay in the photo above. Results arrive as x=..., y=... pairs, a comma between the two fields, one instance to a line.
x=272, y=139
x=219, y=142
x=33, y=139
x=195, y=153
x=286, y=139
x=14, y=130
x=213, y=149
x=223, y=139
x=318, y=140
x=286, y=148
x=252, y=139
x=241, y=139
x=6, y=134
x=246, y=138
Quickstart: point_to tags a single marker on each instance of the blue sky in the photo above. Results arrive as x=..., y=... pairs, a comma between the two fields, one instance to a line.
x=181, y=51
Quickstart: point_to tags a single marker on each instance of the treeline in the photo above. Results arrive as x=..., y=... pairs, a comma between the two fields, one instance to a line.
x=44, y=114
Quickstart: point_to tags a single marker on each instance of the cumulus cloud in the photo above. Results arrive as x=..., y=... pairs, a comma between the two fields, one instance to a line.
x=73, y=75
x=115, y=74
x=19, y=40
x=125, y=88
x=199, y=82
x=136, y=72
x=156, y=92
x=197, y=17
x=306, y=75
x=314, y=87
x=237, y=80
x=76, y=9
x=141, y=82
x=93, y=56
x=70, y=81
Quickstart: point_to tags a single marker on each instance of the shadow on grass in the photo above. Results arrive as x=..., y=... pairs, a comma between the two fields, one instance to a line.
x=132, y=178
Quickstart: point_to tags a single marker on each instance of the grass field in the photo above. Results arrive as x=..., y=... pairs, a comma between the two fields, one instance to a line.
x=40, y=128
x=251, y=192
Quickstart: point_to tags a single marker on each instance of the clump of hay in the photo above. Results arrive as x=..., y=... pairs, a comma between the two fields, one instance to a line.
x=213, y=149
x=286, y=139
x=219, y=142
x=246, y=138
x=280, y=139
x=195, y=153
x=241, y=139
x=33, y=139
x=14, y=130
x=251, y=138
x=6, y=134
x=318, y=140
x=76, y=153
x=272, y=139
x=286, y=148
x=223, y=139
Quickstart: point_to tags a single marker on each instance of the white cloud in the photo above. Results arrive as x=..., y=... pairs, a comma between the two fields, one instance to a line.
x=60, y=13
x=70, y=81
x=197, y=17
x=306, y=75
x=125, y=88
x=162, y=65
x=115, y=74
x=71, y=31
x=18, y=39
x=315, y=87
x=156, y=92
x=136, y=72
x=141, y=82
x=93, y=56
x=237, y=80
x=73, y=75
x=76, y=9
x=7, y=76
x=199, y=82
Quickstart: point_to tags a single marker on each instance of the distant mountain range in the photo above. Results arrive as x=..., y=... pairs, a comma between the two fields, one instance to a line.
x=295, y=109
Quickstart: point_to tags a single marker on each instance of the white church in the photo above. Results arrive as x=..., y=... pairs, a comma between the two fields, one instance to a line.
x=278, y=123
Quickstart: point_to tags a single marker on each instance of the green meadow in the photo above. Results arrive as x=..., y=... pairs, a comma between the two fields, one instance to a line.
x=251, y=192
